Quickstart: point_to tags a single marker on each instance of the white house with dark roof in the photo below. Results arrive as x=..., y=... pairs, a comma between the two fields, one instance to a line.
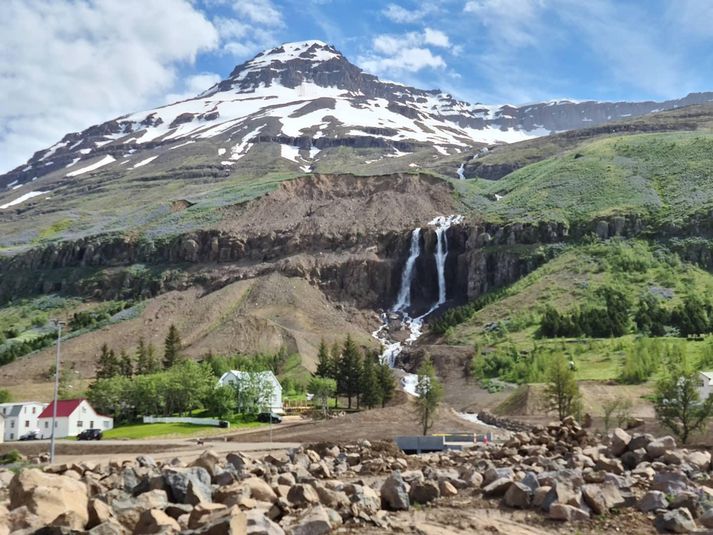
x=257, y=382
x=21, y=418
x=705, y=386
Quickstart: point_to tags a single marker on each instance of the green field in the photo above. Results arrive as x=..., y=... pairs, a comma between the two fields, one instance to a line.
x=171, y=430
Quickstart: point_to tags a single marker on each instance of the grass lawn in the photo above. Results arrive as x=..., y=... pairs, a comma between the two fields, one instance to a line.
x=172, y=430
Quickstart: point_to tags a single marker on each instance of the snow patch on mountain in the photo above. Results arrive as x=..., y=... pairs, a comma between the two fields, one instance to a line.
x=106, y=160
x=22, y=199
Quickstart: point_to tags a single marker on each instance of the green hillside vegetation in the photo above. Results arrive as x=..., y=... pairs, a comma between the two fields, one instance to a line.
x=666, y=176
x=507, y=329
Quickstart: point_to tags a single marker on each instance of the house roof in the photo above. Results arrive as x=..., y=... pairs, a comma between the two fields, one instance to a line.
x=240, y=374
x=65, y=407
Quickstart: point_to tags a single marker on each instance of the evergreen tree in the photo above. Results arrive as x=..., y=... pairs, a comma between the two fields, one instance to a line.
x=322, y=388
x=349, y=370
x=370, y=387
x=172, y=348
x=387, y=384
x=550, y=323
x=325, y=364
x=126, y=364
x=429, y=391
x=146, y=361
x=107, y=365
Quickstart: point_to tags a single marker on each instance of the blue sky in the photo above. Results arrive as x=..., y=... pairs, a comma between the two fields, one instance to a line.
x=68, y=64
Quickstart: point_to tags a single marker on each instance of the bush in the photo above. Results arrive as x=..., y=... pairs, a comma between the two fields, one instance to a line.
x=11, y=457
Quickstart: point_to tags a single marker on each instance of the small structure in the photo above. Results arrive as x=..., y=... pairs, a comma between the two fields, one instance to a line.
x=263, y=386
x=21, y=418
x=73, y=417
x=2, y=428
x=705, y=386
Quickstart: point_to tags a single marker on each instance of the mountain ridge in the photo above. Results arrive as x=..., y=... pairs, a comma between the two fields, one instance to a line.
x=307, y=97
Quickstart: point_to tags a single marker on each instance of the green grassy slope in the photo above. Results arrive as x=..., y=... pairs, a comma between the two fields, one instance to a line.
x=664, y=175
x=572, y=280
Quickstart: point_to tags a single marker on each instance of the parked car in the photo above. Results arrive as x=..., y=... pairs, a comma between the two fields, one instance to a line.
x=268, y=417
x=90, y=434
x=30, y=435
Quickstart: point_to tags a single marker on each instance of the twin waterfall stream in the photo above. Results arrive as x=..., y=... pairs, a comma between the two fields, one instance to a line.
x=392, y=348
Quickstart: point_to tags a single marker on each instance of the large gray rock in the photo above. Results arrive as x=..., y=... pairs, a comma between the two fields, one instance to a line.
x=156, y=521
x=394, y=493
x=619, y=442
x=187, y=484
x=675, y=521
x=701, y=460
x=518, y=495
x=497, y=487
x=303, y=495
x=652, y=500
x=315, y=521
x=656, y=448
x=602, y=498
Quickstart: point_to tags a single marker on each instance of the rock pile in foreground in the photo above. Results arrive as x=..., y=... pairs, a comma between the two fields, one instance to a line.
x=560, y=470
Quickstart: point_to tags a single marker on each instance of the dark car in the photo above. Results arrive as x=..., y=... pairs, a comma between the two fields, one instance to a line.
x=90, y=434
x=269, y=417
x=30, y=435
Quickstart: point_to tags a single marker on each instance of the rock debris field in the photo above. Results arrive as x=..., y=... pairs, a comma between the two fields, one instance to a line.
x=555, y=478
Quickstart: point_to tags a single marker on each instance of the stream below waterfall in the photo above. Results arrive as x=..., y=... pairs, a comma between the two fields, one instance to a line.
x=399, y=311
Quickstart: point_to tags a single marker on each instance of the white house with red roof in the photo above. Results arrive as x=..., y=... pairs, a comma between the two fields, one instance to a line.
x=73, y=417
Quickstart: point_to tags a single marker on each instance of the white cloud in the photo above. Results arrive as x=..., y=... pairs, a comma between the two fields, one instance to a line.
x=436, y=38
x=66, y=64
x=407, y=52
x=407, y=59
x=401, y=15
x=254, y=26
x=261, y=12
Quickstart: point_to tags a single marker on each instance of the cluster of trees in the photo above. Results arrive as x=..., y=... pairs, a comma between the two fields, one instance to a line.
x=693, y=316
x=143, y=361
x=606, y=321
x=429, y=391
x=12, y=349
x=356, y=376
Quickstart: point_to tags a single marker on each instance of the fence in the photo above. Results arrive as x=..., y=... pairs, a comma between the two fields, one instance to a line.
x=182, y=420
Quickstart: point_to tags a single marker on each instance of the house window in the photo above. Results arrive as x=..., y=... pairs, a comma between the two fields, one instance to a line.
x=12, y=436
x=27, y=423
x=47, y=424
x=56, y=424
x=91, y=424
x=12, y=424
x=33, y=410
x=80, y=423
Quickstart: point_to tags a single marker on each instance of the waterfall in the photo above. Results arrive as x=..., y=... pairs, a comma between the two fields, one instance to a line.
x=392, y=348
x=404, y=298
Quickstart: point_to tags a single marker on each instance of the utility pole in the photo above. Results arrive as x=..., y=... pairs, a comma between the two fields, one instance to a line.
x=58, y=324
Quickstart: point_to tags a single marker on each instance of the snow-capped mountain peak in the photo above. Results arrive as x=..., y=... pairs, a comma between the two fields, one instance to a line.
x=304, y=100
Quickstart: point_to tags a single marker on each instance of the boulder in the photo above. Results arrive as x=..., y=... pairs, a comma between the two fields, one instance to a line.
x=602, y=498
x=701, y=460
x=260, y=490
x=49, y=495
x=202, y=512
x=110, y=527
x=188, y=485
x=99, y=512
x=303, y=495
x=424, y=492
x=447, y=488
x=619, y=442
x=518, y=495
x=230, y=521
x=675, y=521
x=315, y=521
x=156, y=521
x=567, y=513
x=706, y=518
x=652, y=500
x=394, y=493
x=259, y=524
x=656, y=448
x=497, y=487
x=208, y=460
